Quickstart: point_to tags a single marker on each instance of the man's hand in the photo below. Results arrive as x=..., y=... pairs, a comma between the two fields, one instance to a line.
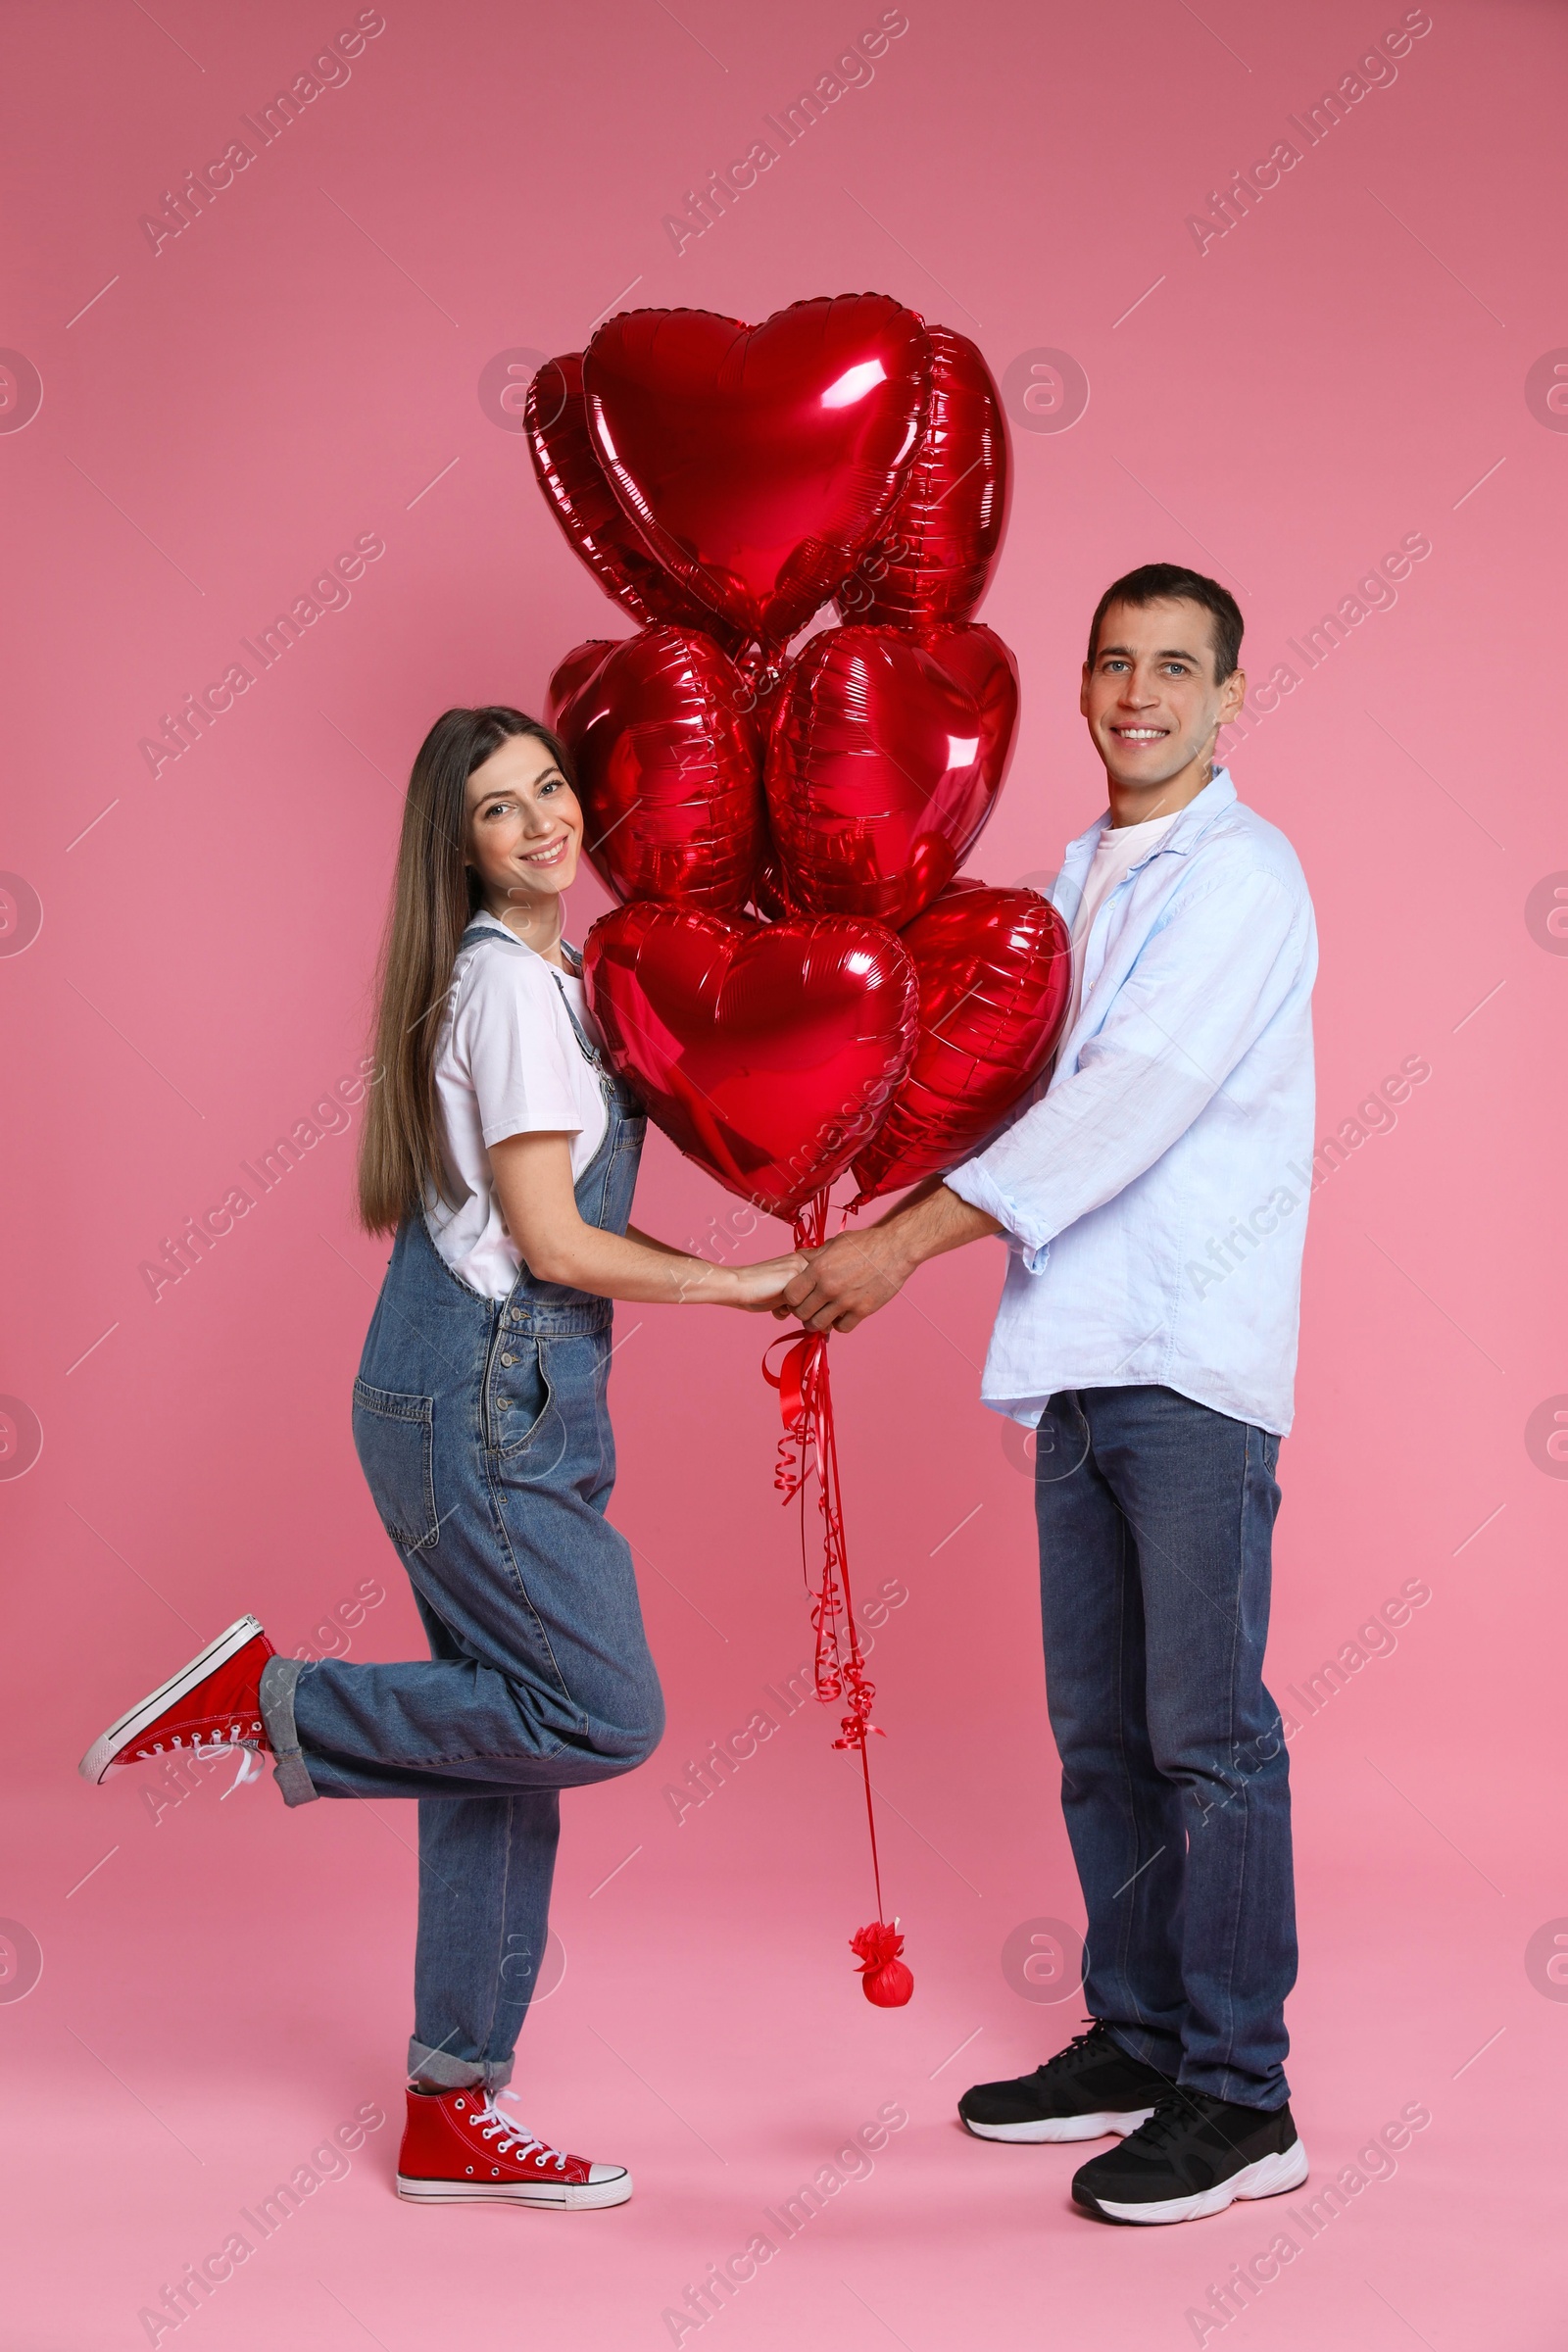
x=847, y=1279
x=850, y=1277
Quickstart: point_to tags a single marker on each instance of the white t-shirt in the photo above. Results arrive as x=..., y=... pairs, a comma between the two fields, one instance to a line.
x=1119, y=850
x=508, y=1063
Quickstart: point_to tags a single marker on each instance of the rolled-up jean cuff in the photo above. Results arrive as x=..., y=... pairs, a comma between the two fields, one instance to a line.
x=278, y=1678
x=457, y=2073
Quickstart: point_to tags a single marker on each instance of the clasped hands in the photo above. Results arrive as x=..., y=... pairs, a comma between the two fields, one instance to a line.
x=852, y=1274
x=846, y=1280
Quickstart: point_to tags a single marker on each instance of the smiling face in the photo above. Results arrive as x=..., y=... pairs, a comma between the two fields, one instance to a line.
x=1155, y=705
x=524, y=832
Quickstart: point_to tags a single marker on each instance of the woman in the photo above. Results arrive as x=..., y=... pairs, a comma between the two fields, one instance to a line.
x=502, y=1152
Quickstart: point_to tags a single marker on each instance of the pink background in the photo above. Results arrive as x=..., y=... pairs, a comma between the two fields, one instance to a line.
x=301, y=365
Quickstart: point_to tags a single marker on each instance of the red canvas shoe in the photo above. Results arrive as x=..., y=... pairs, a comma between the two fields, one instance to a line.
x=457, y=2145
x=213, y=1704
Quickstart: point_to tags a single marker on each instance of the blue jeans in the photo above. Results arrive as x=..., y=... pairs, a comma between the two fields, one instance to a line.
x=1155, y=1517
x=483, y=1432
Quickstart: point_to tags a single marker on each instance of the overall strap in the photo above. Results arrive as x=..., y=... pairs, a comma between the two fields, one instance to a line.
x=477, y=936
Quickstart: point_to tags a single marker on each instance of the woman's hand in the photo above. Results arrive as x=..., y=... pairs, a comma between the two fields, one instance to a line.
x=759, y=1287
x=532, y=1175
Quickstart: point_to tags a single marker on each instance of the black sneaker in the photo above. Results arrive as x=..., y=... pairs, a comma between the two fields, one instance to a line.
x=1195, y=2156
x=1090, y=2088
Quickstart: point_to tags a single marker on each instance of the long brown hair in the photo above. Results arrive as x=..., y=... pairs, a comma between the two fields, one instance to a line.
x=402, y=1155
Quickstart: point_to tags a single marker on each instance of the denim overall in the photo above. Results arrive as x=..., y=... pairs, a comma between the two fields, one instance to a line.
x=483, y=1429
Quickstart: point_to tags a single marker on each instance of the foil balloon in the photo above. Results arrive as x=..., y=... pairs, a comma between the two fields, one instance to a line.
x=566, y=460
x=758, y=462
x=943, y=535
x=577, y=669
x=767, y=1052
x=888, y=750
x=769, y=897
x=995, y=971
x=668, y=750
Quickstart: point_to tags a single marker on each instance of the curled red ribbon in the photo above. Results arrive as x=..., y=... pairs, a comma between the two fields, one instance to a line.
x=809, y=1446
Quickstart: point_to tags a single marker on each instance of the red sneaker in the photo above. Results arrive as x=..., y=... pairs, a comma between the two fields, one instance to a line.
x=214, y=1704
x=457, y=2145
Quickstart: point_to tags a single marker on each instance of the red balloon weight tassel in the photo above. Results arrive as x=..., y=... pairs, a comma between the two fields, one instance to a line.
x=884, y=1978
x=809, y=1446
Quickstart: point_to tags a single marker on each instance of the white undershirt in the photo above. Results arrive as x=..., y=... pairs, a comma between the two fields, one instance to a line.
x=1121, y=847
x=508, y=1063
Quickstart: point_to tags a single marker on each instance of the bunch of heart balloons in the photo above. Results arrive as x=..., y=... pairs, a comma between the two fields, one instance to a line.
x=794, y=980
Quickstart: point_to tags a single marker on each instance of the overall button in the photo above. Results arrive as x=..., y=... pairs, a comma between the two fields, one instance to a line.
x=503, y=1405
x=508, y=1359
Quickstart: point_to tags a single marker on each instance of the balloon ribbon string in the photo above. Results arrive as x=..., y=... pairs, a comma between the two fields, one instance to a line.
x=809, y=1441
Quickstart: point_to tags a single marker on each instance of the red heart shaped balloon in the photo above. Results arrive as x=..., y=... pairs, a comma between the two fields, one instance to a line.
x=577, y=669
x=943, y=535
x=566, y=460
x=887, y=752
x=668, y=750
x=758, y=462
x=767, y=1052
x=768, y=894
x=995, y=969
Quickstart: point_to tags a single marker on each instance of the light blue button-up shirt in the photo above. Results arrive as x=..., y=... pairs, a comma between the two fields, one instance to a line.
x=1153, y=1194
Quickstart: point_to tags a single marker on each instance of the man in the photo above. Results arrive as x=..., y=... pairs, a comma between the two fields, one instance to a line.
x=1153, y=1202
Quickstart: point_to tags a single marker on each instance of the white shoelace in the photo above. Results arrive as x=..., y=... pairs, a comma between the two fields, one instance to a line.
x=511, y=2140
x=249, y=1769
x=214, y=1751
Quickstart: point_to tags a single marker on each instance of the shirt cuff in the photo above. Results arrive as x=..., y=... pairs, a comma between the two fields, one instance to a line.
x=973, y=1184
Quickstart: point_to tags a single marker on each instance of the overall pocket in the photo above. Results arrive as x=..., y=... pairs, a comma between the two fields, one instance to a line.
x=393, y=1438
x=520, y=1395
x=527, y=1429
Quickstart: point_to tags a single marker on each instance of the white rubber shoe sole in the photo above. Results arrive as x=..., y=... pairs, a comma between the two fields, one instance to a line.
x=1270, y=2176
x=102, y=1758
x=561, y=2197
x=1062, y=2128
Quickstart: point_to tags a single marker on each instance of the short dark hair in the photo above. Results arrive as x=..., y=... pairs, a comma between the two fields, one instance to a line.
x=1156, y=583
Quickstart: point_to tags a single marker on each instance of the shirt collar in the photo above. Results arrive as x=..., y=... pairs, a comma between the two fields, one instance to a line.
x=1218, y=794
x=482, y=914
